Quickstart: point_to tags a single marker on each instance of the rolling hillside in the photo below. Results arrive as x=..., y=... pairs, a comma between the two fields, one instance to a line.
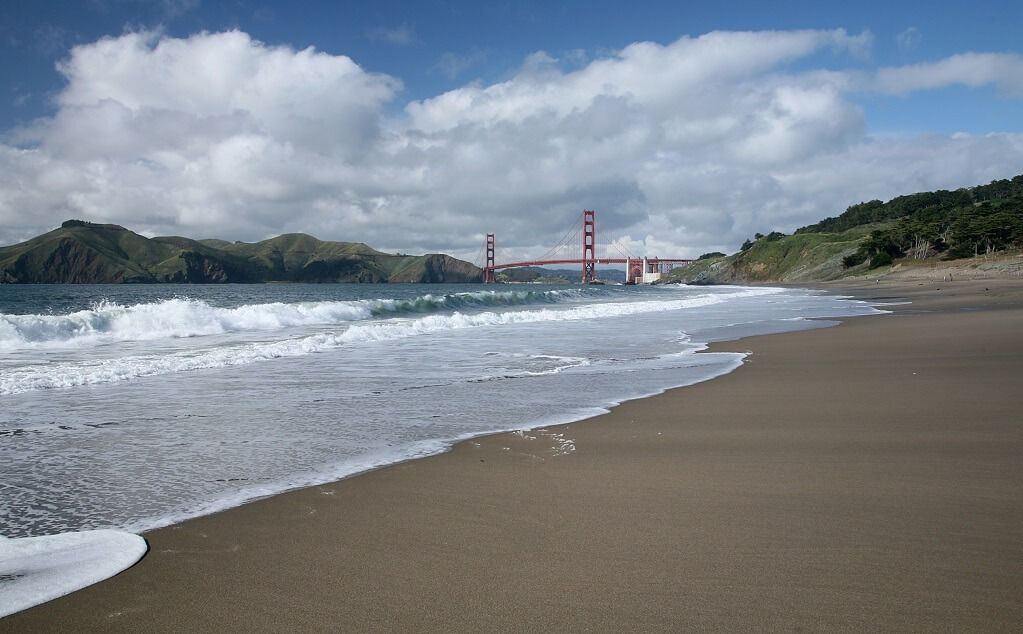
x=86, y=253
x=875, y=236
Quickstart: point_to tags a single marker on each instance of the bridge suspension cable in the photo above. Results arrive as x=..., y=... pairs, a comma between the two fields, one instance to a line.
x=609, y=250
x=565, y=243
x=611, y=242
x=480, y=260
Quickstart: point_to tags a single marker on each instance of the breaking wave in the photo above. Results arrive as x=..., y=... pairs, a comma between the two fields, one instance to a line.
x=108, y=322
x=354, y=324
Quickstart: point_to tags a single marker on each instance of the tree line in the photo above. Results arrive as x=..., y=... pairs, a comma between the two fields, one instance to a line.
x=952, y=224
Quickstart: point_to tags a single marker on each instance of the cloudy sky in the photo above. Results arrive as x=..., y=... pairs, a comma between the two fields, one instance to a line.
x=421, y=126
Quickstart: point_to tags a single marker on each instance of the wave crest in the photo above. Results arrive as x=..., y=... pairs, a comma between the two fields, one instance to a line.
x=63, y=374
x=107, y=322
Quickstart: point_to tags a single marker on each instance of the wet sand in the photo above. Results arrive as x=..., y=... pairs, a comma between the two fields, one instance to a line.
x=862, y=477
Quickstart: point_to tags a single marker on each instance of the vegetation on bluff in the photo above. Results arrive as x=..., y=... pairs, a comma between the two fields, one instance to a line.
x=982, y=220
x=957, y=224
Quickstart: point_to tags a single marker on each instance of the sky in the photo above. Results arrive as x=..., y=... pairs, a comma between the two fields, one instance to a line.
x=419, y=127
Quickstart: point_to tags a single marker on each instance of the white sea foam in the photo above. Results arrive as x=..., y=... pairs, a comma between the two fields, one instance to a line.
x=301, y=392
x=178, y=318
x=535, y=365
x=34, y=570
x=185, y=318
x=175, y=318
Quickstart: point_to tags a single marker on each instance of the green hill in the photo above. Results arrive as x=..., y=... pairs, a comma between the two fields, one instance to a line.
x=797, y=258
x=965, y=223
x=83, y=252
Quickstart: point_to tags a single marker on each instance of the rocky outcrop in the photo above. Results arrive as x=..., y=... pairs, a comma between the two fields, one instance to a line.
x=439, y=268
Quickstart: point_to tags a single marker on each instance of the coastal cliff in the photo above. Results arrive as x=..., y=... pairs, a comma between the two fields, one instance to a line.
x=87, y=253
x=976, y=229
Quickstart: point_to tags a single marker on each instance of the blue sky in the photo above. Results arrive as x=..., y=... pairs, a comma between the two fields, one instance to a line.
x=421, y=126
x=434, y=46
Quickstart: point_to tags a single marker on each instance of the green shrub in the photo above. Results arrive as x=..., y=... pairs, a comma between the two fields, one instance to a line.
x=961, y=250
x=855, y=259
x=881, y=259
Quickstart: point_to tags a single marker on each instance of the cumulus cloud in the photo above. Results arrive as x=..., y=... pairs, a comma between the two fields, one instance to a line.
x=1004, y=70
x=682, y=148
x=303, y=97
x=660, y=78
x=216, y=132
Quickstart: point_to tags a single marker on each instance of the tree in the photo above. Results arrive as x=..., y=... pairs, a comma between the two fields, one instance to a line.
x=960, y=223
x=855, y=259
x=880, y=259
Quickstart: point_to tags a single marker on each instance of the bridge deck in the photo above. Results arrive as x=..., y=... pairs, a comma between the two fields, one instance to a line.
x=595, y=261
x=635, y=266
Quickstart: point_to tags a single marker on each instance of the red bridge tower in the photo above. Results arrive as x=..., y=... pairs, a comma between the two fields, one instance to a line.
x=589, y=244
x=491, y=274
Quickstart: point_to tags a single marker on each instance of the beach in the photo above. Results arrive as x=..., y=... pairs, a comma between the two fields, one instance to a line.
x=867, y=476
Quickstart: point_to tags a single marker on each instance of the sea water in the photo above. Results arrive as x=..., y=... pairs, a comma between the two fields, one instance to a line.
x=132, y=407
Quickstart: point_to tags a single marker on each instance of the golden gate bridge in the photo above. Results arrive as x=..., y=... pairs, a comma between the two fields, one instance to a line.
x=638, y=270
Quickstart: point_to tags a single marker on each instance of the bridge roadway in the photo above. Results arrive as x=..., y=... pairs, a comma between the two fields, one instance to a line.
x=544, y=262
x=638, y=270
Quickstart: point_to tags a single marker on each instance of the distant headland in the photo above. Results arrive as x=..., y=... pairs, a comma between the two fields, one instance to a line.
x=82, y=252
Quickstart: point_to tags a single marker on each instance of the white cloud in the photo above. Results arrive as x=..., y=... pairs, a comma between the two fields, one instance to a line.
x=1004, y=70
x=657, y=77
x=304, y=97
x=214, y=133
x=681, y=148
x=909, y=39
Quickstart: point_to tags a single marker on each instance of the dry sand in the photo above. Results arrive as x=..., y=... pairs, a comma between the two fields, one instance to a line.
x=862, y=477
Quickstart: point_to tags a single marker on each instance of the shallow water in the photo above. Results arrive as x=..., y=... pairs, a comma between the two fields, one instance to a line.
x=136, y=406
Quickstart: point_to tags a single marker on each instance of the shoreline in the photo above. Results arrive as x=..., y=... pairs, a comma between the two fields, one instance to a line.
x=869, y=476
x=252, y=487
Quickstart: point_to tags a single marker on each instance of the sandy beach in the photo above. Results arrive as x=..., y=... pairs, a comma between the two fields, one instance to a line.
x=863, y=477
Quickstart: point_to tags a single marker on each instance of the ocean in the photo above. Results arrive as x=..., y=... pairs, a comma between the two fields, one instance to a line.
x=133, y=407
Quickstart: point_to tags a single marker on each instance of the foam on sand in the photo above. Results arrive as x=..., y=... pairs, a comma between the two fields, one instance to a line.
x=34, y=570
